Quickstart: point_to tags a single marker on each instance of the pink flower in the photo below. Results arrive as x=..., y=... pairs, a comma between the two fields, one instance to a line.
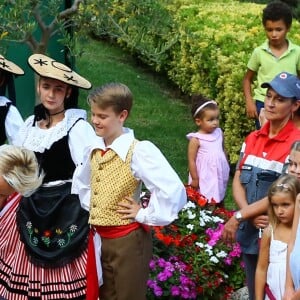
x=214, y=235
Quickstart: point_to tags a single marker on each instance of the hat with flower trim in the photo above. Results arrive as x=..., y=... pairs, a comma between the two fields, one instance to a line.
x=9, y=66
x=48, y=67
x=285, y=85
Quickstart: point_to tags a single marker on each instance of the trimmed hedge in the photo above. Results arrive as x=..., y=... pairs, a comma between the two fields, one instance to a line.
x=203, y=47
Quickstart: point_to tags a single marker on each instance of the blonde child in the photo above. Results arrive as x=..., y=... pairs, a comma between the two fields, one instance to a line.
x=208, y=165
x=271, y=267
x=110, y=181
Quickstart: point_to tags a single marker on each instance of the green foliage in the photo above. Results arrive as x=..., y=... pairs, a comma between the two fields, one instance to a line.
x=146, y=28
x=206, y=46
x=35, y=22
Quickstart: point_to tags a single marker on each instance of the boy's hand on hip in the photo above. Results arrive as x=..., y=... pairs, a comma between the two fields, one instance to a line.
x=128, y=209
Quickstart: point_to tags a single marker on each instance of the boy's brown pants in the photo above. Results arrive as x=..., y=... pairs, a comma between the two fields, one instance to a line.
x=125, y=263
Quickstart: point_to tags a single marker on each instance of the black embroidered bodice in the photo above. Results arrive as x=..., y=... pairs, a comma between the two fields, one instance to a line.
x=57, y=162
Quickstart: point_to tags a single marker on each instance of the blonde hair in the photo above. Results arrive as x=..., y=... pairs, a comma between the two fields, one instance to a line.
x=115, y=95
x=295, y=146
x=20, y=169
x=285, y=184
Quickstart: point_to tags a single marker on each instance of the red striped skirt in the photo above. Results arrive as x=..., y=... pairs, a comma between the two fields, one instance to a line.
x=20, y=279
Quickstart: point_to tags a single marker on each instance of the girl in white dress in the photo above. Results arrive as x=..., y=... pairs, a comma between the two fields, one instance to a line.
x=271, y=267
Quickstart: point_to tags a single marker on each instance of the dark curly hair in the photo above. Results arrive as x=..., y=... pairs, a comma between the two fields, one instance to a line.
x=198, y=100
x=276, y=11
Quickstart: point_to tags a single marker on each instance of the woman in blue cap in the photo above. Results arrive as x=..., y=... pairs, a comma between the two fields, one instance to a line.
x=261, y=162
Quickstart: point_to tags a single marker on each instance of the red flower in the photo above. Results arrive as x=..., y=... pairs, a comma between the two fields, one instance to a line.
x=195, y=196
x=47, y=233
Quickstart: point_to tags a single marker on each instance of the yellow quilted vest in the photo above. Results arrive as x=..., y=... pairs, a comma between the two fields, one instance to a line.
x=111, y=182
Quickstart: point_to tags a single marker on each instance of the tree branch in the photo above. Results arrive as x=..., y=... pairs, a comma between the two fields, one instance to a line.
x=70, y=11
x=38, y=18
x=31, y=42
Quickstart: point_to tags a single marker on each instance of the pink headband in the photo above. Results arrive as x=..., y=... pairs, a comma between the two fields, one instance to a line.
x=203, y=105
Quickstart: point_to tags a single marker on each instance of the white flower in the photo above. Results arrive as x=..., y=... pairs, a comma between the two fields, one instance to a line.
x=201, y=222
x=204, y=216
x=214, y=259
x=208, y=247
x=190, y=227
x=28, y=224
x=217, y=219
x=188, y=205
x=73, y=228
x=191, y=215
x=209, y=252
x=61, y=242
x=221, y=254
x=201, y=245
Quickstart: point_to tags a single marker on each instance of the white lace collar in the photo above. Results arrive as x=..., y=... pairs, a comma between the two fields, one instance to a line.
x=38, y=139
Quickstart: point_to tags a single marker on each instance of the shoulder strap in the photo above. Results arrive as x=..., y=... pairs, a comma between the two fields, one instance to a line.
x=74, y=125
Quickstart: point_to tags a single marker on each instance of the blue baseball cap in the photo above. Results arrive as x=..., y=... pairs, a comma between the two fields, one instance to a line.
x=285, y=84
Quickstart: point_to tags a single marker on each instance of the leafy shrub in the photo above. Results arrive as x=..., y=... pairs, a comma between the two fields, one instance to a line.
x=202, y=45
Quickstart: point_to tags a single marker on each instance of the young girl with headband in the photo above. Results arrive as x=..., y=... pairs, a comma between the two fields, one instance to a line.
x=208, y=165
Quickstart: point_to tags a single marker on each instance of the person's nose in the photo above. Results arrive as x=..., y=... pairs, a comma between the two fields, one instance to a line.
x=270, y=102
x=280, y=210
x=274, y=34
x=296, y=169
x=94, y=120
x=51, y=93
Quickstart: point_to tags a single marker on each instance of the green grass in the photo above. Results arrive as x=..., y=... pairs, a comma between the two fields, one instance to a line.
x=157, y=114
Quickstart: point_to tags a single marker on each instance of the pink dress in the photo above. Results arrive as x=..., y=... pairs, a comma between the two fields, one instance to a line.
x=212, y=165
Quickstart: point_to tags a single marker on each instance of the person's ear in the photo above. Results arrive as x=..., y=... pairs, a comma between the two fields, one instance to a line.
x=296, y=106
x=123, y=115
x=68, y=93
x=198, y=121
x=38, y=88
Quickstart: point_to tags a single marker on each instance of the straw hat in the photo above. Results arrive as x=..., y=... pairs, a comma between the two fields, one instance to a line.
x=48, y=67
x=10, y=67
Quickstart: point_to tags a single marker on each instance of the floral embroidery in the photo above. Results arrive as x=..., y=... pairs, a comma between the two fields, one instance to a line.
x=49, y=237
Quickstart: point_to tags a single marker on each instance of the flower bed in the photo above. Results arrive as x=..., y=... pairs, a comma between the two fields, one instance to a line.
x=190, y=259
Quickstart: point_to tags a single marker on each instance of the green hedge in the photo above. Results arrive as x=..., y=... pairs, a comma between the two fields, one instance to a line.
x=203, y=47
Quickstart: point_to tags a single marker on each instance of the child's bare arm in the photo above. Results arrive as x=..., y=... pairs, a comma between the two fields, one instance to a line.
x=262, y=265
x=250, y=105
x=193, y=147
x=289, y=286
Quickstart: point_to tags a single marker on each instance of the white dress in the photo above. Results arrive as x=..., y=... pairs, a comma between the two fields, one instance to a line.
x=294, y=261
x=277, y=267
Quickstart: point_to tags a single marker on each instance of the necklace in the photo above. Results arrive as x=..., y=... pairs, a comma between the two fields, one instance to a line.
x=58, y=113
x=50, y=119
